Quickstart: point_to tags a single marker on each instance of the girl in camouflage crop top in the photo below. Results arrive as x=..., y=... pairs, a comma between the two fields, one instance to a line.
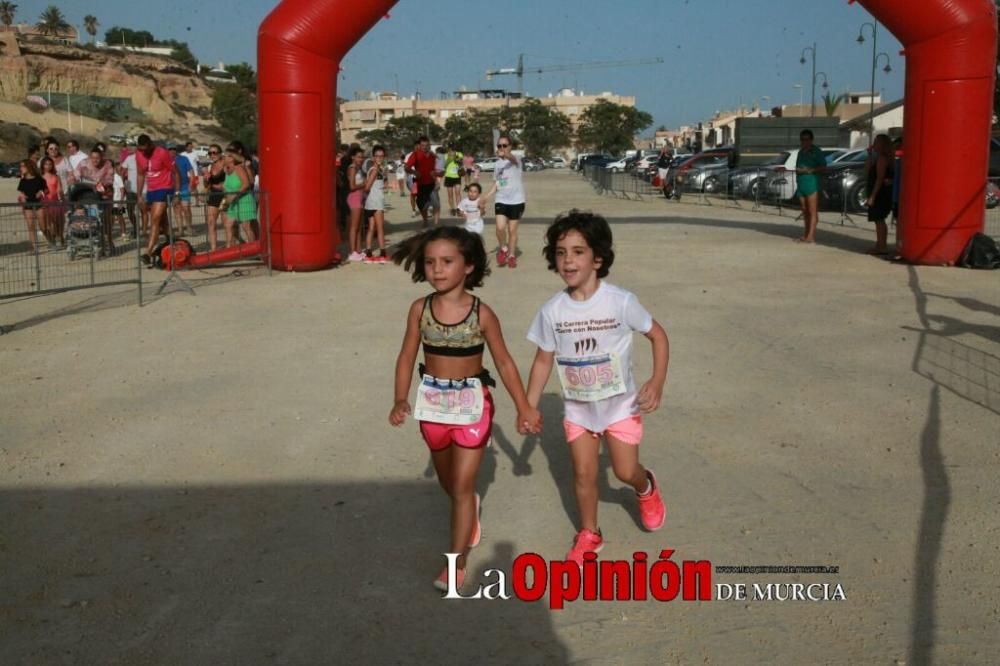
x=454, y=262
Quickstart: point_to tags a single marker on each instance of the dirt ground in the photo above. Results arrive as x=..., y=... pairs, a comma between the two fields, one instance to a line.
x=210, y=479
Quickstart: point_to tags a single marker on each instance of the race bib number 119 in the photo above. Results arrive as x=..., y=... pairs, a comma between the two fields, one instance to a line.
x=443, y=402
x=590, y=378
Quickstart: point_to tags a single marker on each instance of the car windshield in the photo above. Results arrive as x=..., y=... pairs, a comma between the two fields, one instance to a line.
x=780, y=158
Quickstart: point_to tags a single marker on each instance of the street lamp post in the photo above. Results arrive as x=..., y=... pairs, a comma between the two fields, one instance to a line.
x=802, y=60
x=760, y=104
x=875, y=58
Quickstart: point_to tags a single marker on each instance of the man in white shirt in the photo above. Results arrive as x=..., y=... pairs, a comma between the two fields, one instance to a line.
x=73, y=154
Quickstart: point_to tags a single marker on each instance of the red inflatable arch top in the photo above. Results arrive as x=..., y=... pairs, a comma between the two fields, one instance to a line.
x=950, y=48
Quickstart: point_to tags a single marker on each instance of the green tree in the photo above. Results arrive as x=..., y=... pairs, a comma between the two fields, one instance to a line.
x=541, y=128
x=52, y=22
x=90, y=25
x=7, y=11
x=401, y=132
x=235, y=109
x=609, y=127
x=128, y=37
x=183, y=55
x=830, y=103
x=245, y=75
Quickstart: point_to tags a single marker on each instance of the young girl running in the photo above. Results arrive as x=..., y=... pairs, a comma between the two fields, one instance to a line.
x=586, y=330
x=454, y=405
x=375, y=206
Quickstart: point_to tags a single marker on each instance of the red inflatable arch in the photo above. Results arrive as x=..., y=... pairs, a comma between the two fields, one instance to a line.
x=950, y=48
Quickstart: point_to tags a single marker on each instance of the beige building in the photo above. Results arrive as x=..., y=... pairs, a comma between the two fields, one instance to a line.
x=370, y=111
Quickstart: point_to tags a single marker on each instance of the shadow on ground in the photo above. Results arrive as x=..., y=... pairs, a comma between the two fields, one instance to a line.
x=283, y=574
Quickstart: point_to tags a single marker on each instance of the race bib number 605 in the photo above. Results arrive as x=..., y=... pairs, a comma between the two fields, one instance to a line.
x=590, y=378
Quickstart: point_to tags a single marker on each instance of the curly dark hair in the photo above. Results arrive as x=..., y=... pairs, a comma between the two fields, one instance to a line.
x=594, y=229
x=410, y=253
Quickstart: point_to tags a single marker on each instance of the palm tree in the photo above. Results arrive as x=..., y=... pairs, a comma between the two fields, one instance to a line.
x=52, y=22
x=90, y=25
x=7, y=11
x=831, y=103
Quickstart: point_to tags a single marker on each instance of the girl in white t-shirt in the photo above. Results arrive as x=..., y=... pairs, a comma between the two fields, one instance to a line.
x=586, y=332
x=472, y=208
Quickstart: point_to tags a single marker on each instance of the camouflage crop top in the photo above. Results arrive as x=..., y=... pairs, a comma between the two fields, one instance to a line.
x=462, y=339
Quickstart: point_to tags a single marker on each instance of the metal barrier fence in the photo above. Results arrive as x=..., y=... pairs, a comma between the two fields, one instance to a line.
x=621, y=184
x=61, y=246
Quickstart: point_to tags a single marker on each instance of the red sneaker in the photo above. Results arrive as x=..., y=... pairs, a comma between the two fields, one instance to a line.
x=584, y=542
x=512, y=262
x=501, y=257
x=651, y=508
x=442, y=580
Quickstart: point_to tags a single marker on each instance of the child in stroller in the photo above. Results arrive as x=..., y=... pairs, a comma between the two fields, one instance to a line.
x=84, y=228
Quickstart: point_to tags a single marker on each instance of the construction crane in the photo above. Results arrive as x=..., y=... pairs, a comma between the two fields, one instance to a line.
x=520, y=69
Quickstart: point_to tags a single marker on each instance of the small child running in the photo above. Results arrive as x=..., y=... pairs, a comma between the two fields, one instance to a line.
x=454, y=405
x=472, y=208
x=586, y=331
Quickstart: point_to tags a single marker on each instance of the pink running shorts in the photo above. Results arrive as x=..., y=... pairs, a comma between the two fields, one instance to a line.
x=627, y=430
x=440, y=436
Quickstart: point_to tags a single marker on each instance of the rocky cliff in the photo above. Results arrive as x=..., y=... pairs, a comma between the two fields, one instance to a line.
x=167, y=93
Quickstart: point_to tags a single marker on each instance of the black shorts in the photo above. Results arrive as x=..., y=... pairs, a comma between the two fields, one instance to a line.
x=215, y=198
x=510, y=211
x=424, y=193
x=452, y=182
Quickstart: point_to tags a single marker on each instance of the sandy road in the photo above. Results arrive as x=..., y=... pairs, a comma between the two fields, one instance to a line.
x=211, y=480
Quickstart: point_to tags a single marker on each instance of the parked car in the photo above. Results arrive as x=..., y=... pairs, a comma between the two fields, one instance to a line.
x=596, y=160
x=487, y=164
x=533, y=164
x=709, y=176
x=620, y=165
x=781, y=182
x=10, y=169
x=859, y=155
x=844, y=179
x=677, y=178
x=556, y=163
x=746, y=181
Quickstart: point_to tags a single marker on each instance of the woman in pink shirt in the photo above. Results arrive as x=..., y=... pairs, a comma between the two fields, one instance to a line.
x=52, y=214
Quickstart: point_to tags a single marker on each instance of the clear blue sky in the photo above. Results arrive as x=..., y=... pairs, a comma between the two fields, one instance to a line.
x=717, y=52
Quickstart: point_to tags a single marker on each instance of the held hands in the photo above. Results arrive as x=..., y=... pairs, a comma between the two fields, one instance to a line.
x=529, y=421
x=399, y=412
x=650, y=396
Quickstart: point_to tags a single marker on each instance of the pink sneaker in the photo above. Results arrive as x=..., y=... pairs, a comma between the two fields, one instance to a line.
x=501, y=257
x=442, y=580
x=584, y=542
x=651, y=507
x=477, y=531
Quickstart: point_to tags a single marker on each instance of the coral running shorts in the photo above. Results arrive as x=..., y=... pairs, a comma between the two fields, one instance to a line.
x=627, y=430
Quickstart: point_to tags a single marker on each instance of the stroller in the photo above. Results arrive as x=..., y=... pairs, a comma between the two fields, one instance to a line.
x=83, y=227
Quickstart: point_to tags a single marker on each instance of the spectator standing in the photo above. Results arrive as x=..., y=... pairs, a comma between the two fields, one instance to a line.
x=52, y=213
x=241, y=207
x=98, y=172
x=182, y=202
x=192, y=158
x=879, y=175
x=74, y=154
x=355, y=202
x=808, y=164
x=31, y=191
x=133, y=197
x=159, y=177
x=401, y=176
x=375, y=206
x=214, y=176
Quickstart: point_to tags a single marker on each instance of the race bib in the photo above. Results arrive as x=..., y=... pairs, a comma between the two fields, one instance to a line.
x=590, y=378
x=450, y=402
x=502, y=182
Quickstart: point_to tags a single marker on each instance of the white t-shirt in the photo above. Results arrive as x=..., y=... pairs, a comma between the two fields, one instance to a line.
x=133, y=172
x=510, y=189
x=119, y=194
x=74, y=160
x=601, y=325
x=473, y=216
